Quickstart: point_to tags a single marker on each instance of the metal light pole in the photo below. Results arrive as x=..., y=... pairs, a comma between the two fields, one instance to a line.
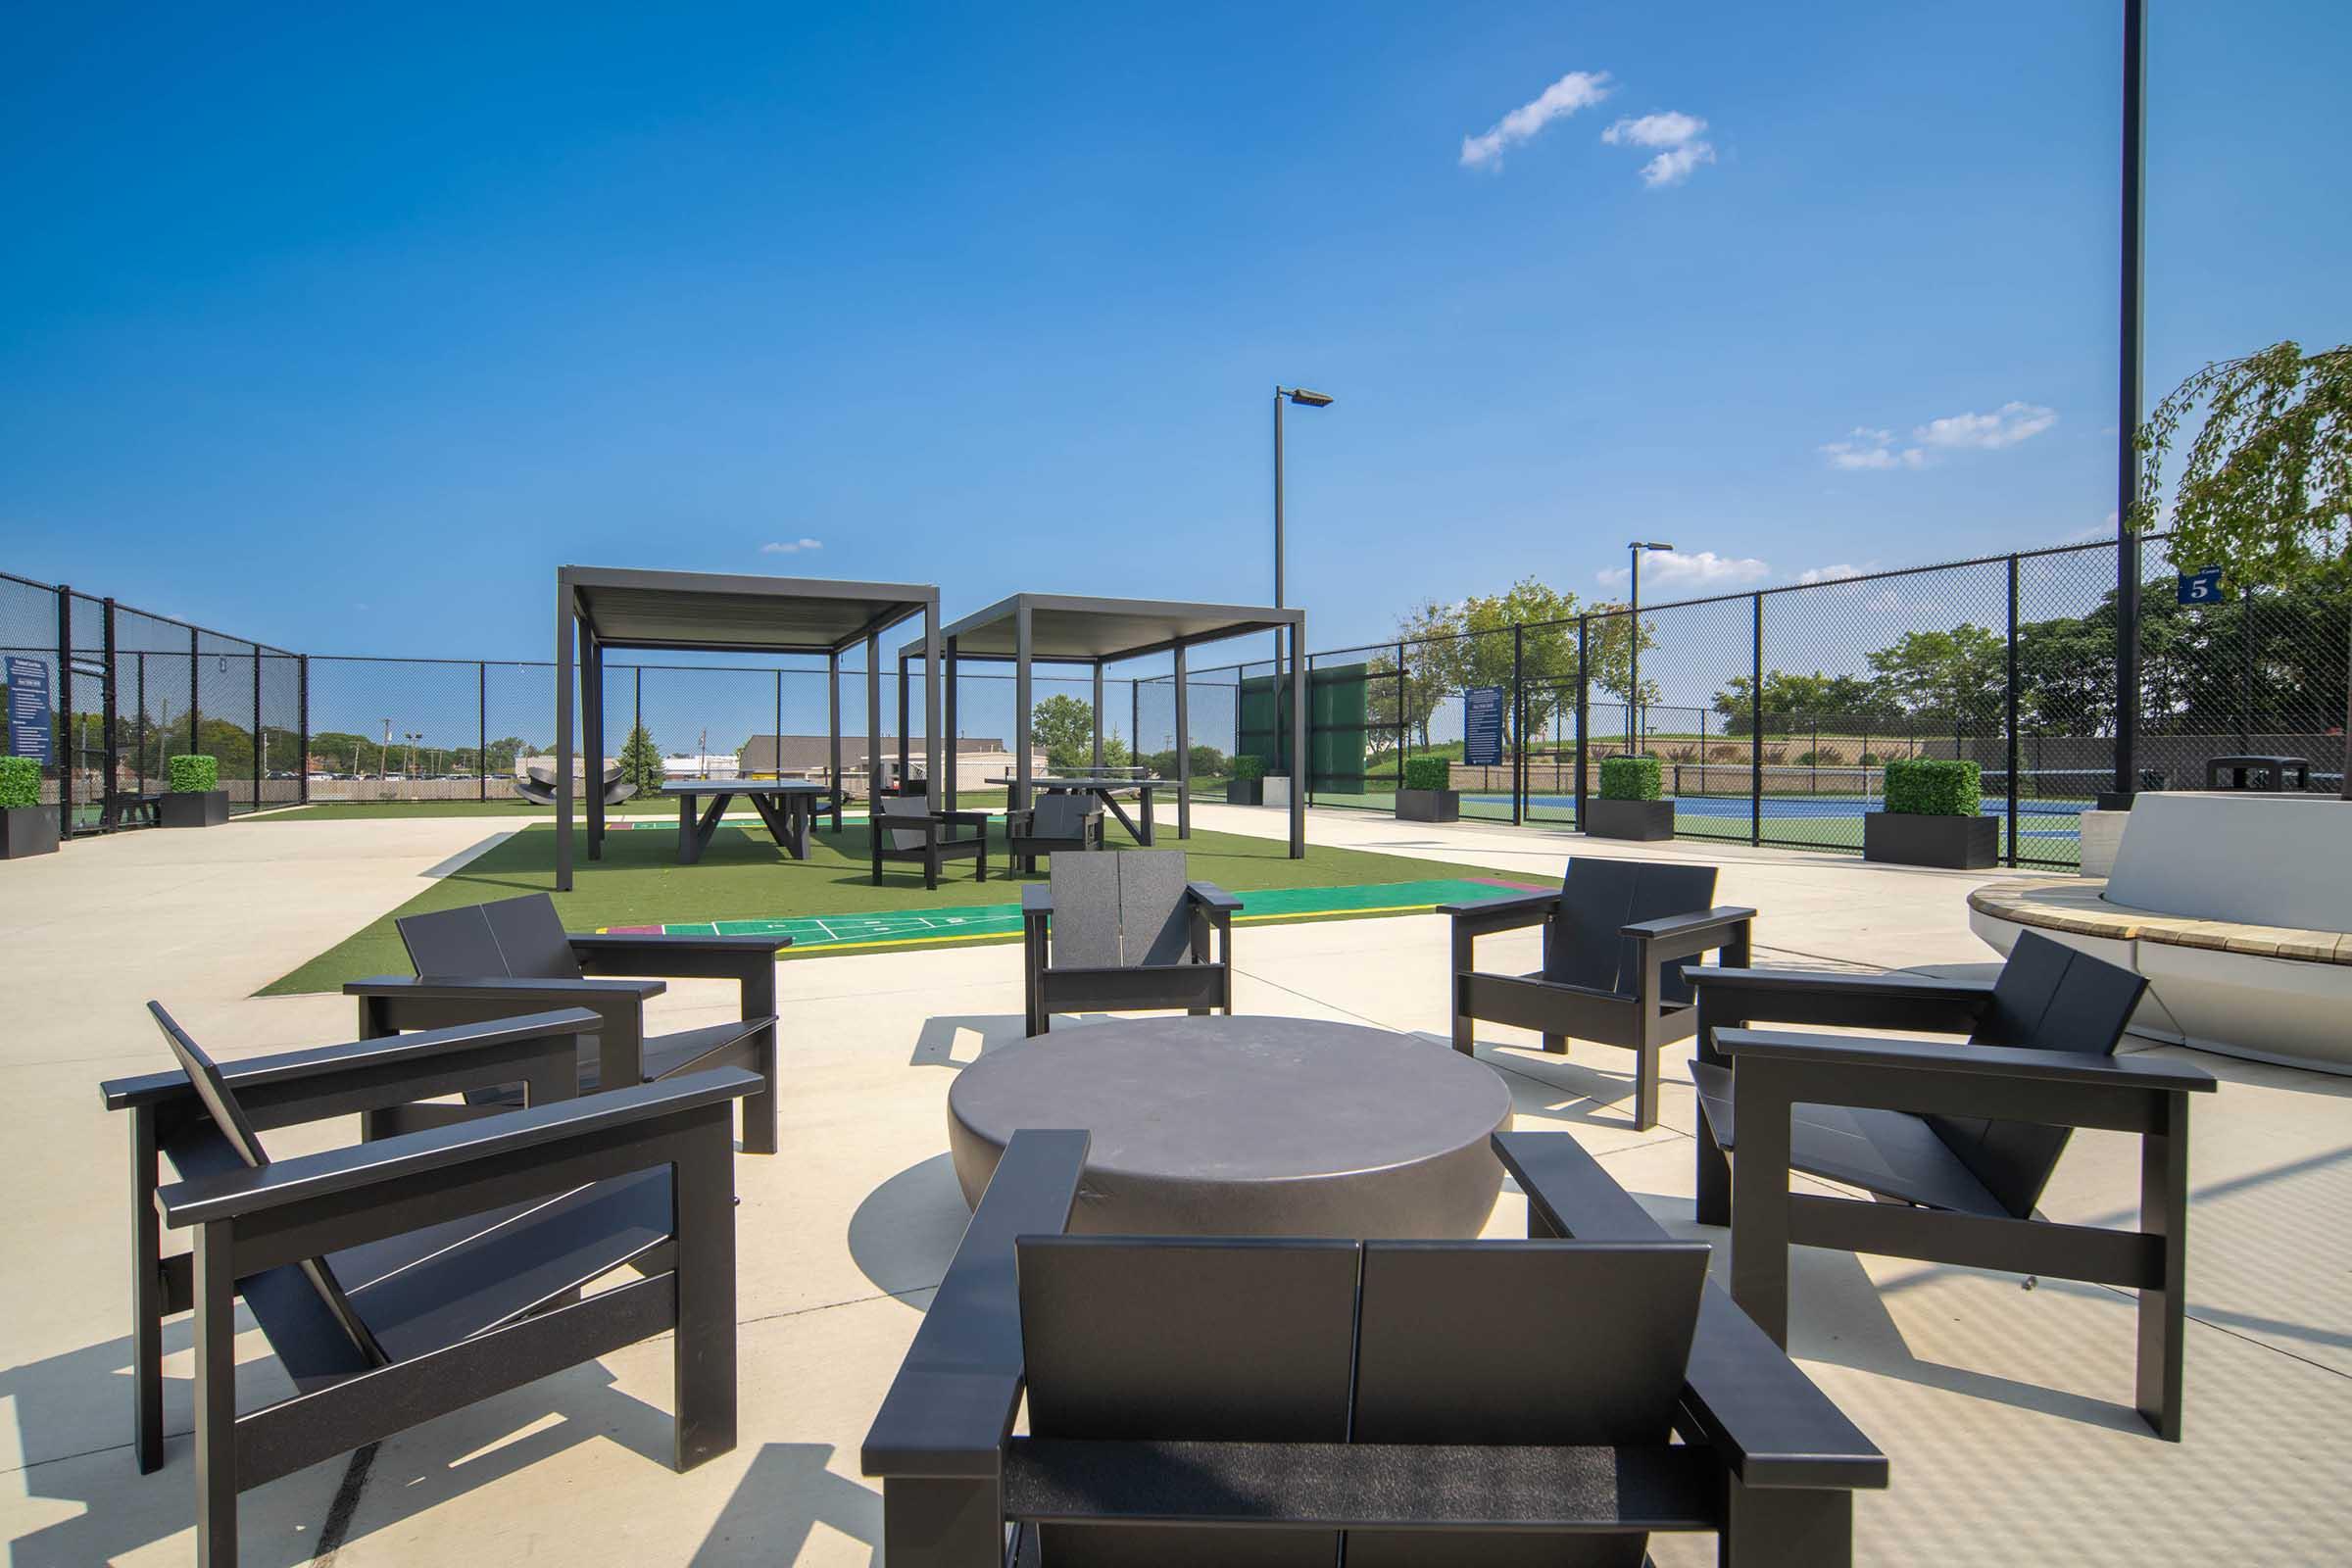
x=1306, y=400
x=2128, y=410
x=1636, y=549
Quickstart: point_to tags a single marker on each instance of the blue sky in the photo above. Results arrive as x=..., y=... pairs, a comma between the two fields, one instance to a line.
x=342, y=330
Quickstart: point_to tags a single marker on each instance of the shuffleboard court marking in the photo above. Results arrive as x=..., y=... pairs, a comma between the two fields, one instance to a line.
x=886, y=929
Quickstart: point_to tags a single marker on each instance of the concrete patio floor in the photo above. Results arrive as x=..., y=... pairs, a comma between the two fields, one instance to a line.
x=2005, y=1411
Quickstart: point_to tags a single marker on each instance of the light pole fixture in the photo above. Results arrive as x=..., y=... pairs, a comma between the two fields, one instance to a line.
x=1636, y=549
x=1306, y=399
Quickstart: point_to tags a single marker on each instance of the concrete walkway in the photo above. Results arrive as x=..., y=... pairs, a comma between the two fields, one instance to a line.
x=2005, y=1409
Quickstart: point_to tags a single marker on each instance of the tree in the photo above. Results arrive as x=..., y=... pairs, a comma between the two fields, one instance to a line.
x=640, y=761
x=2266, y=487
x=1064, y=726
x=1613, y=653
x=1958, y=677
x=1791, y=698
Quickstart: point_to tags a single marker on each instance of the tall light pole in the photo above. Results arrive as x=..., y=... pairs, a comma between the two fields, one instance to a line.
x=2128, y=409
x=1306, y=400
x=1633, y=681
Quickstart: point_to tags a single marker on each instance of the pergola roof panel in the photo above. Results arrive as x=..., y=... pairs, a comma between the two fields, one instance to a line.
x=745, y=613
x=1070, y=628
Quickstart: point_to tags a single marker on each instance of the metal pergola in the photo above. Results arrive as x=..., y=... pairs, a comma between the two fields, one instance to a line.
x=696, y=611
x=1072, y=629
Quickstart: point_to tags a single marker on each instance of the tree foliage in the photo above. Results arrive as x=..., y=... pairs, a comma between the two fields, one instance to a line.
x=640, y=761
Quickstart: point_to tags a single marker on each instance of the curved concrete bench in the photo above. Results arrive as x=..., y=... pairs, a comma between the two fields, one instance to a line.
x=2271, y=992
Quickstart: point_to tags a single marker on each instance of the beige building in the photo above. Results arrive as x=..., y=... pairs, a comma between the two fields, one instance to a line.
x=978, y=759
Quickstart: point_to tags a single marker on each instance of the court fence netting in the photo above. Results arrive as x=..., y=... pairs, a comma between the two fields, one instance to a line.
x=1772, y=711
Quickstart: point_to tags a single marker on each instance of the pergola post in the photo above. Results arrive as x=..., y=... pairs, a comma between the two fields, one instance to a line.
x=873, y=728
x=933, y=796
x=592, y=737
x=832, y=732
x=564, y=618
x=1097, y=713
x=955, y=747
x=1021, y=772
x=1299, y=766
x=906, y=739
x=1184, y=750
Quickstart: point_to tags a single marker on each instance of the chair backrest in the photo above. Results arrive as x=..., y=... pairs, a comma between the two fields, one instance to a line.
x=1278, y=1341
x=1062, y=817
x=300, y=1306
x=515, y=938
x=2050, y=997
x=1121, y=910
x=914, y=805
x=1599, y=899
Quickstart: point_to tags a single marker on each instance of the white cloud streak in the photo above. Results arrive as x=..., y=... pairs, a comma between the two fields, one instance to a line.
x=790, y=547
x=1674, y=133
x=1833, y=573
x=1672, y=569
x=2004, y=426
x=1865, y=448
x=1579, y=89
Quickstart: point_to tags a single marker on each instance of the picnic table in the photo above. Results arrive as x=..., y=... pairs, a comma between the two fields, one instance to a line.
x=787, y=806
x=1103, y=787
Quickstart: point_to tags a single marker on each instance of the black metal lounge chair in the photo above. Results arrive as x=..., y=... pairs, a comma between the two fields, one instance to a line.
x=1195, y=1400
x=491, y=960
x=402, y=1278
x=1124, y=933
x=1955, y=1141
x=1616, y=938
x=1061, y=820
x=915, y=832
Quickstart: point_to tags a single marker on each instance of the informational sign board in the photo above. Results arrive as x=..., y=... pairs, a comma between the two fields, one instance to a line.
x=28, y=708
x=2201, y=587
x=1482, y=726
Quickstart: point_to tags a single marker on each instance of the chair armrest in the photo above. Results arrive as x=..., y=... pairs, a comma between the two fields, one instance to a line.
x=1765, y=1419
x=609, y=946
x=1501, y=914
x=544, y=992
x=308, y=1178
x=677, y=958
x=425, y=1050
x=1212, y=897
x=1738, y=995
x=1947, y=1057
x=951, y=1404
x=978, y=819
x=1717, y=921
x=1037, y=900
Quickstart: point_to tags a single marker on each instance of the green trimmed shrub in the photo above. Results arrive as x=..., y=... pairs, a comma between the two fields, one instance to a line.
x=1929, y=786
x=1870, y=760
x=1630, y=778
x=1428, y=773
x=19, y=782
x=194, y=775
x=1247, y=767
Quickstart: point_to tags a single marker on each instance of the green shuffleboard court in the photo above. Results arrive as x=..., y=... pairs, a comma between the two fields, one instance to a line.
x=985, y=921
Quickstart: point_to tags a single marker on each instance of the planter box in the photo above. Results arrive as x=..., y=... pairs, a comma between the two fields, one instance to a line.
x=1953, y=843
x=1245, y=792
x=1643, y=820
x=194, y=809
x=1428, y=806
x=1277, y=790
x=28, y=830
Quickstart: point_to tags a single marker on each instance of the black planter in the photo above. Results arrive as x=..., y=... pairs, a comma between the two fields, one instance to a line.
x=1245, y=792
x=1428, y=806
x=1644, y=820
x=28, y=830
x=1953, y=843
x=193, y=809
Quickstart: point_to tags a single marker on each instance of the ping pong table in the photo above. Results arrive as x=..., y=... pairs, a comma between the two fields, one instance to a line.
x=787, y=806
x=1104, y=788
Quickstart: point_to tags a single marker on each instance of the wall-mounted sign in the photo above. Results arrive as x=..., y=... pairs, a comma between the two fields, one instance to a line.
x=29, y=726
x=2201, y=587
x=1482, y=726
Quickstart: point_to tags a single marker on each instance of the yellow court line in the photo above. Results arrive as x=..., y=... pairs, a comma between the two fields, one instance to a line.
x=1003, y=936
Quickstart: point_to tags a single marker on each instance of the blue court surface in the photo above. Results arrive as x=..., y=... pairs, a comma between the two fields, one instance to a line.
x=2042, y=819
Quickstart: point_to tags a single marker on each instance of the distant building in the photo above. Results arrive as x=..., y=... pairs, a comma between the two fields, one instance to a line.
x=718, y=765
x=978, y=759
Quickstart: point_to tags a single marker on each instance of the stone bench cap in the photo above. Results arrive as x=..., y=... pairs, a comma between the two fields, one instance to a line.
x=2075, y=905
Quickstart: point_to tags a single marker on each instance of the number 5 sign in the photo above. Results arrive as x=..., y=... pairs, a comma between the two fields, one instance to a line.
x=2201, y=587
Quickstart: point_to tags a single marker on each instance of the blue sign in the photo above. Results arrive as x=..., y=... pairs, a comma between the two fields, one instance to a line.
x=1482, y=726
x=2201, y=587
x=28, y=708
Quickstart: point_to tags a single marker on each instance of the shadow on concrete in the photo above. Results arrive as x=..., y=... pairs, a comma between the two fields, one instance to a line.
x=777, y=1505
x=905, y=1232
x=935, y=1046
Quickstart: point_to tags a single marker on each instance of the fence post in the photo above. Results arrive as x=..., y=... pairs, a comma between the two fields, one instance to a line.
x=481, y=722
x=2012, y=719
x=2245, y=639
x=1584, y=628
x=139, y=776
x=776, y=754
x=195, y=704
x=1518, y=722
x=258, y=742
x=1755, y=733
x=302, y=733
x=65, y=711
x=112, y=722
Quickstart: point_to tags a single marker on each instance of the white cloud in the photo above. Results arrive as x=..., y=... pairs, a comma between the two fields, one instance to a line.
x=1866, y=448
x=1579, y=89
x=1704, y=569
x=1833, y=573
x=791, y=546
x=1677, y=134
x=2005, y=426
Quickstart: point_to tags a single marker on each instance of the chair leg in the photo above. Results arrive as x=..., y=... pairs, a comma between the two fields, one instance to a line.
x=1646, y=1087
x=1785, y=1527
x=2164, y=1214
x=1713, y=1177
x=146, y=1296
x=703, y=1350
x=1760, y=1201
x=215, y=1397
x=1557, y=1045
x=759, y=1108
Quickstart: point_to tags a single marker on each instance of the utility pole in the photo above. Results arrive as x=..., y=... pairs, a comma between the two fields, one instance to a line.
x=383, y=752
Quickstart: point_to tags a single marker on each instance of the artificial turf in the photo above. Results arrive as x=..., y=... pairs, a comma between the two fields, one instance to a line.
x=744, y=876
x=640, y=805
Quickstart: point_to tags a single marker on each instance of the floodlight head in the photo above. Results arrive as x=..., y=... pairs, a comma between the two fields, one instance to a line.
x=1651, y=545
x=1313, y=400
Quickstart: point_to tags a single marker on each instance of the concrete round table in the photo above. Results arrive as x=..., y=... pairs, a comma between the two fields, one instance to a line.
x=1246, y=1127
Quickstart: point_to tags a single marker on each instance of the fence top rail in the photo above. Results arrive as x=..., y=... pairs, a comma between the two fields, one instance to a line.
x=149, y=614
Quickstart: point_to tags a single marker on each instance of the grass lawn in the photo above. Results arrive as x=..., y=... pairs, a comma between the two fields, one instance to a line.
x=635, y=807
x=744, y=876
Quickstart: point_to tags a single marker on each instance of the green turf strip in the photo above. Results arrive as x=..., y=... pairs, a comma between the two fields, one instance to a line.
x=744, y=876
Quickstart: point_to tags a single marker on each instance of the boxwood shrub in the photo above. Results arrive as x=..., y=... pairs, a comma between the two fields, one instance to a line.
x=19, y=782
x=1929, y=786
x=1630, y=778
x=193, y=775
x=1247, y=767
x=1428, y=773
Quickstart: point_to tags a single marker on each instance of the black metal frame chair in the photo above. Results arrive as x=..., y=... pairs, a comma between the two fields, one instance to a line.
x=1616, y=939
x=1063, y=820
x=1124, y=933
x=1462, y=1449
x=400, y=1279
x=492, y=961
x=1954, y=1141
x=915, y=832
